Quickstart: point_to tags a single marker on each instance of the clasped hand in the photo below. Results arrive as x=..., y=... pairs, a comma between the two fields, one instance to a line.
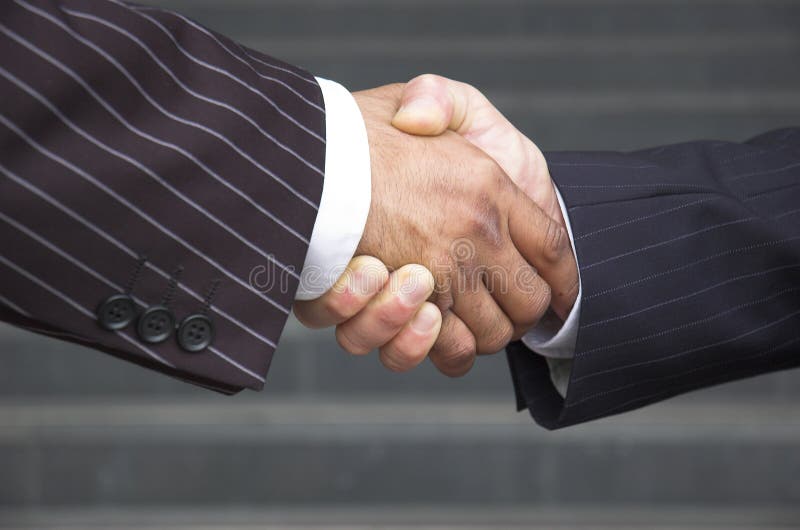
x=465, y=215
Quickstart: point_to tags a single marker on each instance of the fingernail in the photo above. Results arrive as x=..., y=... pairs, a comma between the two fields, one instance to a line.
x=425, y=319
x=364, y=282
x=368, y=278
x=416, y=287
x=420, y=104
x=423, y=111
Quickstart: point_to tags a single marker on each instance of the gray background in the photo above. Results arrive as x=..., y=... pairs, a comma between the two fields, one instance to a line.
x=334, y=441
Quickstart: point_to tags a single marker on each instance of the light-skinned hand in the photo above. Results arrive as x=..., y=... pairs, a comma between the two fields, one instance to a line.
x=372, y=308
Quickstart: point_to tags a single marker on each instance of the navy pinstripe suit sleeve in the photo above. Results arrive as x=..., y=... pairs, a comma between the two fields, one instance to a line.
x=690, y=262
x=131, y=131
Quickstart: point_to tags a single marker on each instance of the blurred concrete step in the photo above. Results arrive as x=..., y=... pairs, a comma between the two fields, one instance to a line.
x=421, y=517
x=626, y=67
x=671, y=65
x=336, y=18
x=710, y=42
x=377, y=451
x=636, y=129
x=307, y=364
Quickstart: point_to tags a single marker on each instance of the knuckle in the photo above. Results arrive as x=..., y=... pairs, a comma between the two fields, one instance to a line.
x=538, y=303
x=485, y=221
x=430, y=81
x=540, y=300
x=444, y=284
x=400, y=358
x=336, y=305
x=556, y=241
x=497, y=338
x=484, y=216
x=536, y=293
x=391, y=362
x=571, y=292
x=460, y=263
x=393, y=316
x=412, y=354
x=302, y=313
x=457, y=360
x=472, y=90
x=348, y=343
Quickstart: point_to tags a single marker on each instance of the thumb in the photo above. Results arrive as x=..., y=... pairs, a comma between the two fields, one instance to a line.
x=432, y=104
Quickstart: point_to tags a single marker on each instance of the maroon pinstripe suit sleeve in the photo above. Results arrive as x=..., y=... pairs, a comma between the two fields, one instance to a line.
x=128, y=132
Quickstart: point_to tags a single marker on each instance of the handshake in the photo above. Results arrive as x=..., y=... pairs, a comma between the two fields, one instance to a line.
x=119, y=143
x=465, y=247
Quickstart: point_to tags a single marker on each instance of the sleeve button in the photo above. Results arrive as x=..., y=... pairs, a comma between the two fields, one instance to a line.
x=155, y=325
x=116, y=312
x=195, y=333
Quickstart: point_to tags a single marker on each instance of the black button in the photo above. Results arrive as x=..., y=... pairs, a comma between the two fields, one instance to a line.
x=156, y=324
x=195, y=333
x=116, y=312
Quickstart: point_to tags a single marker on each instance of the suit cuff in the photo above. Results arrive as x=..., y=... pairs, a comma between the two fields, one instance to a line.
x=346, y=193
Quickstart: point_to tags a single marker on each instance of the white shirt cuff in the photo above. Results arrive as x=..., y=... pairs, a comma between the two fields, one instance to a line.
x=546, y=338
x=560, y=370
x=346, y=193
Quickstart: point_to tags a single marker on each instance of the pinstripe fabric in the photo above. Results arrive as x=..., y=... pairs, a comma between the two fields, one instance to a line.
x=690, y=263
x=129, y=131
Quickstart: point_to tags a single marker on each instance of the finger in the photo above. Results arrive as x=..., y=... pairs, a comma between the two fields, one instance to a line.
x=411, y=345
x=545, y=244
x=363, y=278
x=488, y=323
x=516, y=287
x=453, y=353
x=430, y=105
x=385, y=315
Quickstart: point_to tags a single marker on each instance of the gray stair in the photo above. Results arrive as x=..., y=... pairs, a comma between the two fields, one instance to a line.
x=417, y=517
x=335, y=441
x=88, y=430
x=264, y=452
x=644, y=72
x=336, y=19
x=307, y=364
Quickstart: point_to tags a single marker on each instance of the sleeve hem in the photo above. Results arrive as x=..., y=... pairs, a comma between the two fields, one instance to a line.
x=346, y=194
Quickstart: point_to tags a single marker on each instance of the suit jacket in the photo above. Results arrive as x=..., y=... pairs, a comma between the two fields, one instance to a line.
x=152, y=172
x=690, y=263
